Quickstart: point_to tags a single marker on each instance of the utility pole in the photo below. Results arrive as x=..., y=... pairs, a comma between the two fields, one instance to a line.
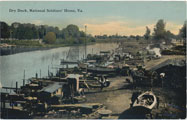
x=24, y=78
x=85, y=43
x=40, y=74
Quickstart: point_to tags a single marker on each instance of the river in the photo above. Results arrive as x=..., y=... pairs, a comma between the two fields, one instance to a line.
x=12, y=66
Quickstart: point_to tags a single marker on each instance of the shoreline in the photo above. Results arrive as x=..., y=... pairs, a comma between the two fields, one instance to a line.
x=5, y=51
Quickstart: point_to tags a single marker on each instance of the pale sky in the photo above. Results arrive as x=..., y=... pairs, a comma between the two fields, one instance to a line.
x=122, y=17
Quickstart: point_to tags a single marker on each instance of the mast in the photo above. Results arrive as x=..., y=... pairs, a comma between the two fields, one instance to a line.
x=24, y=78
x=85, y=43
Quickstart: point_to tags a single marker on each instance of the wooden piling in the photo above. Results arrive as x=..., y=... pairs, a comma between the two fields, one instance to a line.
x=16, y=86
x=24, y=78
x=40, y=74
x=48, y=70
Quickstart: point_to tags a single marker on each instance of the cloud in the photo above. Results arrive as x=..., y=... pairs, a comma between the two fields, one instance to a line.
x=173, y=27
x=37, y=22
x=113, y=27
x=124, y=27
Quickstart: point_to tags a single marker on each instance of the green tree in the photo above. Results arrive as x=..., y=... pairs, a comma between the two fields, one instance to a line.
x=159, y=30
x=57, y=32
x=5, y=31
x=73, y=30
x=20, y=32
x=35, y=34
x=82, y=34
x=28, y=33
x=65, y=33
x=42, y=32
x=168, y=37
x=50, y=38
x=182, y=31
x=147, y=33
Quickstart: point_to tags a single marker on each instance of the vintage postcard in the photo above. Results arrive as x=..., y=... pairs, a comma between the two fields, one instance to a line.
x=93, y=59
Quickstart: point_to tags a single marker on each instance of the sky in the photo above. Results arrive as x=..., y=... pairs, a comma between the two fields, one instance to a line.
x=106, y=17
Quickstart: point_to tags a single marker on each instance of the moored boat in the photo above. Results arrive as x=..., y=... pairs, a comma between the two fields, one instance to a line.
x=146, y=99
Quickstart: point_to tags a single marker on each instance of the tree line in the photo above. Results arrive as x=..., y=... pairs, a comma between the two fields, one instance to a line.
x=159, y=34
x=49, y=34
x=72, y=35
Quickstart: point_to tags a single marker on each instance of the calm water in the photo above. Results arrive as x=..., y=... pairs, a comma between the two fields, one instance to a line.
x=12, y=66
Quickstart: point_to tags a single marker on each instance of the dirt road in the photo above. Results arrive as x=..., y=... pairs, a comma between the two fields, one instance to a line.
x=150, y=64
x=116, y=98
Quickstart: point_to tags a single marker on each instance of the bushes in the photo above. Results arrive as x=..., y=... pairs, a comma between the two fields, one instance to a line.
x=75, y=41
x=178, y=50
x=22, y=42
x=50, y=38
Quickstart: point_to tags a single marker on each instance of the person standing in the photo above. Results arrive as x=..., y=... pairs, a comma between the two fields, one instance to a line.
x=162, y=75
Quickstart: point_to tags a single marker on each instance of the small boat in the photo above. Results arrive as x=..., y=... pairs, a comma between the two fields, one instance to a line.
x=146, y=99
x=101, y=70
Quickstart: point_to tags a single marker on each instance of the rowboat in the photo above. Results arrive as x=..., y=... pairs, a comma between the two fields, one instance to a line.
x=146, y=99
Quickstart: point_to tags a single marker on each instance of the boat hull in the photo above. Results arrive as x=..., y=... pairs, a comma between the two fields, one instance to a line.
x=147, y=100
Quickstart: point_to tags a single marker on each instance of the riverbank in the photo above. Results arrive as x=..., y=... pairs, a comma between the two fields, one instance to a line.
x=19, y=49
x=115, y=98
x=25, y=46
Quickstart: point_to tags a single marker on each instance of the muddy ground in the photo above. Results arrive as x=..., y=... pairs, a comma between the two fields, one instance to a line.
x=117, y=99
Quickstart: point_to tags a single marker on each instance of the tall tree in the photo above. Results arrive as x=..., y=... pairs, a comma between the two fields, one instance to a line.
x=20, y=32
x=28, y=33
x=73, y=30
x=182, y=31
x=168, y=37
x=42, y=32
x=57, y=32
x=159, y=30
x=5, y=31
x=147, y=33
x=65, y=33
x=35, y=33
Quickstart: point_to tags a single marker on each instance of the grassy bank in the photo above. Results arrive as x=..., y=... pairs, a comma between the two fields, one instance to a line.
x=36, y=43
x=22, y=42
x=30, y=45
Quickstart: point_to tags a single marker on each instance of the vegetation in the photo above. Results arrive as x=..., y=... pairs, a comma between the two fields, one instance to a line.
x=71, y=35
x=50, y=35
x=25, y=32
x=177, y=50
x=22, y=42
x=182, y=31
x=147, y=33
x=50, y=38
x=159, y=30
x=5, y=31
x=161, y=34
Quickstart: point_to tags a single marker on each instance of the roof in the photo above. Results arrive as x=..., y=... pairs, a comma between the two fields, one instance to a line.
x=52, y=88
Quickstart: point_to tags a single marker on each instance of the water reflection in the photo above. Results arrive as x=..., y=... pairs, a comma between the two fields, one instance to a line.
x=12, y=66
